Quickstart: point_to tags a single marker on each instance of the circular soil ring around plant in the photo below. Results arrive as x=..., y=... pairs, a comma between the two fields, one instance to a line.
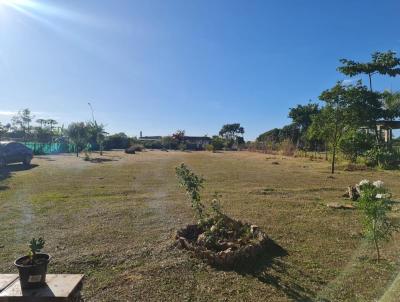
x=229, y=258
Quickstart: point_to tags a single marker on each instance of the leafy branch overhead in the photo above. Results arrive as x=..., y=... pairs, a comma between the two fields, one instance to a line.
x=384, y=63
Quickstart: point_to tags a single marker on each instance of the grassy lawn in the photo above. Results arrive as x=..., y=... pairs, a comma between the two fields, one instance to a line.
x=114, y=220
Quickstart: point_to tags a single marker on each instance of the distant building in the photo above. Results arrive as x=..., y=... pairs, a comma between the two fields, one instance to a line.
x=196, y=142
x=385, y=129
x=192, y=142
x=150, y=138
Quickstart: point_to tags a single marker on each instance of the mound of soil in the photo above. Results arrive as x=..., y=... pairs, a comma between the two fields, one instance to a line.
x=228, y=253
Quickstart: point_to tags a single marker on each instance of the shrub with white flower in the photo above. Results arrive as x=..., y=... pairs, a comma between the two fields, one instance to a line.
x=362, y=185
x=363, y=182
x=378, y=184
x=374, y=202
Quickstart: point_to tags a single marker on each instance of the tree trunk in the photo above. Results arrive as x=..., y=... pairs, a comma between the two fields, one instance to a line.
x=375, y=241
x=370, y=82
x=377, y=250
x=77, y=151
x=326, y=151
x=333, y=159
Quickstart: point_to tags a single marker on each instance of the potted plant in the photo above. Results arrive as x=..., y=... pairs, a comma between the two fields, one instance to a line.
x=33, y=267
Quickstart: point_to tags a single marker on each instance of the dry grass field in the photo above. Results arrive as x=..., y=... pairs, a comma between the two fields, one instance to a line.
x=114, y=219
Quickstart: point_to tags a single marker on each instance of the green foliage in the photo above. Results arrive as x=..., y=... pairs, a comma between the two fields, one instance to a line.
x=384, y=157
x=116, y=141
x=35, y=246
x=302, y=115
x=231, y=131
x=278, y=135
x=217, y=142
x=384, y=63
x=356, y=143
x=348, y=107
x=96, y=135
x=182, y=146
x=374, y=204
x=152, y=144
x=216, y=227
x=22, y=122
x=78, y=134
x=391, y=104
x=287, y=147
x=210, y=148
x=168, y=142
x=87, y=153
x=4, y=129
x=43, y=135
x=192, y=184
x=232, y=134
x=179, y=136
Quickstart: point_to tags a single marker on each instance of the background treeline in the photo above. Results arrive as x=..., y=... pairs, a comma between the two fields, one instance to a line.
x=347, y=120
x=46, y=136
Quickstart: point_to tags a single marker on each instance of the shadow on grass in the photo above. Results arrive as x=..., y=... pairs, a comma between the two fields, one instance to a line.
x=99, y=160
x=269, y=268
x=6, y=171
x=46, y=158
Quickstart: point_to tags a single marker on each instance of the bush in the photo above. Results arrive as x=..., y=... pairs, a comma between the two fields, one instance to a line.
x=168, y=142
x=384, y=157
x=137, y=147
x=287, y=148
x=356, y=144
x=215, y=226
x=210, y=148
x=192, y=184
x=217, y=142
x=87, y=154
x=116, y=141
x=154, y=144
x=375, y=205
x=183, y=147
x=130, y=150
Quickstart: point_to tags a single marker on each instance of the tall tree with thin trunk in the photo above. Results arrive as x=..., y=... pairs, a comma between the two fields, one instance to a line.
x=78, y=134
x=348, y=107
x=22, y=121
x=97, y=134
x=384, y=63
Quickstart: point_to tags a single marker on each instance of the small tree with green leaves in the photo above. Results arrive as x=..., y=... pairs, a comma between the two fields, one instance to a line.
x=78, y=135
x=215, y=227
x=35, y=246
x=192, y=184
x=374, y=204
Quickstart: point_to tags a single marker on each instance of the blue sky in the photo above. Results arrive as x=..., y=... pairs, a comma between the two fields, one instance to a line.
x=159, y=65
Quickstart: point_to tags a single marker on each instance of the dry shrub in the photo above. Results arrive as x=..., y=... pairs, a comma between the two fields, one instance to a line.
x=288, y=148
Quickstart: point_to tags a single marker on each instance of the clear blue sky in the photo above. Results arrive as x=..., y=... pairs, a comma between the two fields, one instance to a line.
x=160, y=65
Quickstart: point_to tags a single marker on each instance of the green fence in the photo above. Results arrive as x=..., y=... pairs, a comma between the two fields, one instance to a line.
x=50, y=148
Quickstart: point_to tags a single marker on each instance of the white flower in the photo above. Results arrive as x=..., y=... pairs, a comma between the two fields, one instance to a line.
x=379, y=196
x=364, y=182
x=378, y=184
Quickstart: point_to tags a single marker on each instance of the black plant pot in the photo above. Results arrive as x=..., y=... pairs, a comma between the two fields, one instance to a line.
x=33, y=275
